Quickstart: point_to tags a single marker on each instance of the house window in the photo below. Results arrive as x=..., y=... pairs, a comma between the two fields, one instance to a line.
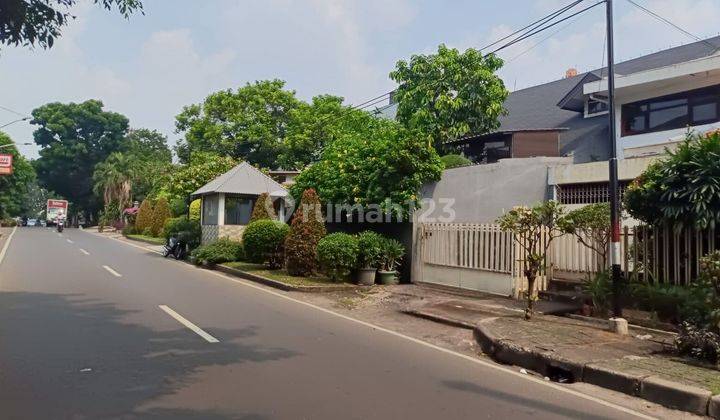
x=691, y=108
x=238, y=210
x=595, y=106
x=588, y=193
x=210, y=210
x=496, y=150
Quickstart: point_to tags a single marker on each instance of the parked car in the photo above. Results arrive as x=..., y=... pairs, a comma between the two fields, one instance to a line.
x=32, y=222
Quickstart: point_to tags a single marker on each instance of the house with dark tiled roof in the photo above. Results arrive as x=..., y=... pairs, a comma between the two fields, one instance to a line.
x=658, y=97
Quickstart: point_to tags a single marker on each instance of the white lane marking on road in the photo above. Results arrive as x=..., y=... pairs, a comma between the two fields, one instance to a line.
x=111, y=271
x=69, y=241
x=197, y=330
x=84, y=252
x=7, y=245
x=471, y=359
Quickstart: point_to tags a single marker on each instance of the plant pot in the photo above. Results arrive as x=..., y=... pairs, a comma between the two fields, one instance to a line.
x=388, y=277
x=365, y=276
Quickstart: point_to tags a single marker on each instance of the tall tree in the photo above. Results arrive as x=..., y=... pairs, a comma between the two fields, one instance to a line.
x=201, y=169
x=113, y=179
x=40, y=22
x=152, y=161
x=450, y=94
x=311, y=127
x=74, y=138
x=14, y=188
x=249, y=124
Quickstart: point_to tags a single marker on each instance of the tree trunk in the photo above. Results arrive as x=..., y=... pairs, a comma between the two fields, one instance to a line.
x=530, y=310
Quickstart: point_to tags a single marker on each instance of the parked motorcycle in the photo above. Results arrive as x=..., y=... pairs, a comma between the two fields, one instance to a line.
x=174, y=247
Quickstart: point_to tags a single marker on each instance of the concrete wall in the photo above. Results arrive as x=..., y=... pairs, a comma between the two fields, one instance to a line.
x=481, y=193
x=469, y=279
x=582, y=173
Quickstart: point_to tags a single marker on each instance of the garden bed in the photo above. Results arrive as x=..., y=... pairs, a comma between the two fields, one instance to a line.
x=147, y=239
x=280, y=279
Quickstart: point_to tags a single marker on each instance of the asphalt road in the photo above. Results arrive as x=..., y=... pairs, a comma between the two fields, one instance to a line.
x=94, y=328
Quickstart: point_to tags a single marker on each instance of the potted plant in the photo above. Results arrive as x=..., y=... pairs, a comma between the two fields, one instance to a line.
x=392, y=253
x=371, y=246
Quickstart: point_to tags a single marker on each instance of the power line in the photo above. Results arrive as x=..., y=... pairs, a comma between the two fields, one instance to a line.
x=667, y=21
x=533, y=25
x=562, y=28
x=13, y=111
x=524, y=33
x=537, y=31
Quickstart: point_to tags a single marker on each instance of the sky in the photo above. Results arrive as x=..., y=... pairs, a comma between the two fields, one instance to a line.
x=149, y=66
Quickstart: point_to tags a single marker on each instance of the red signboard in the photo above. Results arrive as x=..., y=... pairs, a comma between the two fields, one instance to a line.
x=6, y=164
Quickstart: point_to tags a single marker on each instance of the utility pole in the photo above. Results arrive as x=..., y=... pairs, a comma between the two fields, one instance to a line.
x=613, y=188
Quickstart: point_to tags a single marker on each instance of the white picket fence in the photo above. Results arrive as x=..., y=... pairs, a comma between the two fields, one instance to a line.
x=475, y=246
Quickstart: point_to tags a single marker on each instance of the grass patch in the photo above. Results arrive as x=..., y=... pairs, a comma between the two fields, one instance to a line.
x=280, y=275
x=152, y=239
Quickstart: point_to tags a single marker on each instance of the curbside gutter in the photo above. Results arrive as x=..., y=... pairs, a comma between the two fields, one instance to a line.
x=651, y=388
x=280, y=285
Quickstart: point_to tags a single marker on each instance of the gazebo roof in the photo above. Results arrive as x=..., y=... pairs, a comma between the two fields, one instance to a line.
x=243, y=179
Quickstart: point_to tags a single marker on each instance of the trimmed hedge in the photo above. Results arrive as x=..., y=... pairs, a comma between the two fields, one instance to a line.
x=306, y=230
x=338, y=255
x=221, y=251
x=455, y=161
x=263, y=208
x=144, y=216
x=185, y=230
x=161, y=212
x=264, y=242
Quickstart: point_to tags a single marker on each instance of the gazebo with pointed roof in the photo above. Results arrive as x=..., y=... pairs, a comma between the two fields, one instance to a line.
x=228, y=200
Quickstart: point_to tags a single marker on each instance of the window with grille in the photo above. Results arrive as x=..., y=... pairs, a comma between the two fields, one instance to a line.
x=588, y=193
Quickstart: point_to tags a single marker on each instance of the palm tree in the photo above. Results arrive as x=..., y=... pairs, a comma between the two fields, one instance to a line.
x=113, y=179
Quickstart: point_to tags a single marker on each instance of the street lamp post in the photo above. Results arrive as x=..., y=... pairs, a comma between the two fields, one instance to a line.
x=13, y=122
x=15, y=144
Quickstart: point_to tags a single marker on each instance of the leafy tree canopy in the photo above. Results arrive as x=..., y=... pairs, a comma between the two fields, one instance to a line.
x=202, y=168
x=14, y=188
x=683, y=189
x=250, y=123
x=450, y=94
x=74, y=138
x=40, y=22
x=386, y=164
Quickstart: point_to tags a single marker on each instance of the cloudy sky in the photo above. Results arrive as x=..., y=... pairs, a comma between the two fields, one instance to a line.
x=149, y=66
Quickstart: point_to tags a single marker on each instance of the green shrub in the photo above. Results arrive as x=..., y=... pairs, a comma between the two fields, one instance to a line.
x=129, y=229
x=187, y=231
x=599, y=287
x=144, y=216
x=218, y=252
x=455, y=161
x=371, y=247
x=264, y=242
x=178, y=207
x=147, y=231
x=8, y=223
x=699, y=343
x=161, y=212
x=391, y=255
x=306, y=230
x=263, y=208
x=195, y=209
x=338, y=254
x=680, y=189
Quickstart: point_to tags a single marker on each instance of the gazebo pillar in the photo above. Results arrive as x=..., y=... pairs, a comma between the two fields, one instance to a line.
x=221, y=209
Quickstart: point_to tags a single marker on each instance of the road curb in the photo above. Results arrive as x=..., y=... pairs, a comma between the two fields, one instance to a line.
x=280, y=285
x=144, y=241
x=458, y=323
x=674, y=395
x=670, y=394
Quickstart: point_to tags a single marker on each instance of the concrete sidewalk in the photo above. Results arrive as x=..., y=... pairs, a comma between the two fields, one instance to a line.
x=572, y=350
